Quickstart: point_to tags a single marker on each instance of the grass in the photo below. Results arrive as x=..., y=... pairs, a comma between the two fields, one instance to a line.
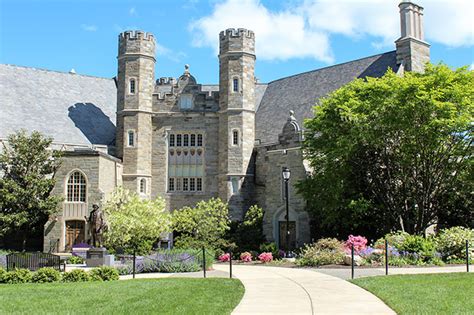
x=144, y=296
x=449, y=293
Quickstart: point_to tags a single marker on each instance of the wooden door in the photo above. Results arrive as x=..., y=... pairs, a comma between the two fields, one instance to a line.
x=74, y=233
x=292, y=230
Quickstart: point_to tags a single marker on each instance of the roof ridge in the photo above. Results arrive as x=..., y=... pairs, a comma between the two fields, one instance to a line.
x=331, y=66
x=56, y=71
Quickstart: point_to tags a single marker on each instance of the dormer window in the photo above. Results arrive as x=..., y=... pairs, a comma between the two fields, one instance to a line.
x=130, y=138
x=235, y=85
x=186, y=102
x=132, y=86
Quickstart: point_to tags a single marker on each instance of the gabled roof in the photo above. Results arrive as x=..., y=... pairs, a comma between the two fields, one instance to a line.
x=302, y=91
x=71, y=108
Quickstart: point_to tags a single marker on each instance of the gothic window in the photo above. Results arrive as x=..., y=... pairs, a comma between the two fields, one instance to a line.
x=142, y=186
x=235, y=85
x=185, y=162
x=186, y=101
x=235, y=137
x=76, y=187
x=132, y=86
x=130, y=138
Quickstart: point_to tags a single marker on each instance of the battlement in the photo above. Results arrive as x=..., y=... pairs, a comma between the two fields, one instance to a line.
x=166, y=81
x=136, y=35
x=230, y=33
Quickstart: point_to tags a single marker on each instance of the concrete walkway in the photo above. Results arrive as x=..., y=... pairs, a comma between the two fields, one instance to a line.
x=301, y=291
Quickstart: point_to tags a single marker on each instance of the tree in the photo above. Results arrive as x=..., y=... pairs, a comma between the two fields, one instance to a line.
x=133, y=223
x=391, y=152
x=28, y=166
x=248, y=234
x=202, y=225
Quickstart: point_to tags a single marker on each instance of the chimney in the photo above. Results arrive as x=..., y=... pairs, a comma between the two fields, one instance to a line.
x=412, y=50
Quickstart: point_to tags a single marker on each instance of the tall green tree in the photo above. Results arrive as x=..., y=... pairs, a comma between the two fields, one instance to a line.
x=28, y=166
x=133, y=223
x=205, y=224
x=393, y=152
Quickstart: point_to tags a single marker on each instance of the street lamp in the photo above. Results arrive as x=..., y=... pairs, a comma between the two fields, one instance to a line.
x=286, y=176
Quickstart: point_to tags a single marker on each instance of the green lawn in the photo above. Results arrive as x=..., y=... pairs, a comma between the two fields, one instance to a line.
x=450, y=293
x=144, y=296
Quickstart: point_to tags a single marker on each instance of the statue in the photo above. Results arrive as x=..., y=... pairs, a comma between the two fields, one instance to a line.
x=97, y=225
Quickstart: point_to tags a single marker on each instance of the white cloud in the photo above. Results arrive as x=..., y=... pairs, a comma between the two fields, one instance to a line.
x=132, y=11
x=304, y=29
x=89, y=28
x=472, y=66
x=169, y=54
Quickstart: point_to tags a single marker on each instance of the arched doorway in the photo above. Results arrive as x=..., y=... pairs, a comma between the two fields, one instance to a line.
x=75, y=233
x=279, y=228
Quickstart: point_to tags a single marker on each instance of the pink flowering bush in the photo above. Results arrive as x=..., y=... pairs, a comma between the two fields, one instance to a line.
x=246, y=257
x=359, y=243
x=224, y=257
x=265, y=257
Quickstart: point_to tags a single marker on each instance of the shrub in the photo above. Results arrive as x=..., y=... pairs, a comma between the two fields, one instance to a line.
x=418, y=247
x=3, y=273
x=46, y=274
x=224, y=257
x=271, y=248
x=359, y=243
x=18, y=276
x=104, y=273
x=76, y=275
x=265, y=257
x=75, y=260
x=395, y=239
x=325, y=251
x=451, y=243
x=246, y=257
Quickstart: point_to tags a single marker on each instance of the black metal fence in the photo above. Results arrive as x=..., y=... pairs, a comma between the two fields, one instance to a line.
x=33, y=261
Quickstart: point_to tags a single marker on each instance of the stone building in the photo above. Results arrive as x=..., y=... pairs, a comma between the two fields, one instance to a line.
x=182, y=140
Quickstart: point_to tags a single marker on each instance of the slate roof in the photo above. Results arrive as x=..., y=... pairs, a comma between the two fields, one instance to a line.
x=72, y=108
x=302, y=91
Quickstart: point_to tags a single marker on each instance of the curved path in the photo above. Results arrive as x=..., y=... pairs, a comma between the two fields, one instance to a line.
x=299, y=291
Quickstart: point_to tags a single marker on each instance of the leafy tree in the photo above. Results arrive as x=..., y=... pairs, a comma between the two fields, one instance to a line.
x=392, y=152
x=28, y=167
x=202, y=225
x=133, y=223
x=248, y=234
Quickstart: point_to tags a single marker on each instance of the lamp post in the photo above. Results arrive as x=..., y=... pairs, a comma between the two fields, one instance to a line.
x=286, y=176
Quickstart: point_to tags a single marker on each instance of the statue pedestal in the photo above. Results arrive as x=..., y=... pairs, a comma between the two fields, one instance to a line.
x=96, y=257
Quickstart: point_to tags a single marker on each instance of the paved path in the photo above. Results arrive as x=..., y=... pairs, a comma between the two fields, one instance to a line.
x=301, y=291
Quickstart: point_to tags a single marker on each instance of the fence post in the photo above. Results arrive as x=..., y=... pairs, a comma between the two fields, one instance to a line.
x=204, y=261
x=134, y=260
x=230, y=263
x=386, y=257
x=467, y=255
x=352, y=261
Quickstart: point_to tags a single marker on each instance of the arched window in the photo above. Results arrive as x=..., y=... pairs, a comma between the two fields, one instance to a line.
x=132, y=86
x=76, y=187
x=142, y=186
x=131, y=138
x=235, y=85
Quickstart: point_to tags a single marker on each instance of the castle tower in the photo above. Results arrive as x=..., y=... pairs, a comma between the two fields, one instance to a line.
x=237, y=115
x=412, y=51
x=135, y=84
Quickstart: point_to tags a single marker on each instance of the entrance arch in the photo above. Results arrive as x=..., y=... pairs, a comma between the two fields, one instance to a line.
x=279, y=228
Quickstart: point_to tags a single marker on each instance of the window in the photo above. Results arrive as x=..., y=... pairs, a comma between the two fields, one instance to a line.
x=186, y=140
x=142, y=186
x=192, y=184
x=171, y=140
x=193, y=140
x=178, y=140
x=235, y=86
x=131, y=138
x=199, y=140
x=235, y=185
x=132, y=86
x=186, y=102
x=199, y=184
x=171, y=184
x=185, y=184
x=235, y=137
x=76, y=187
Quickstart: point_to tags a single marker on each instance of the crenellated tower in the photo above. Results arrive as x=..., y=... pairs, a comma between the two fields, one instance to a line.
x=412, y=50
x=135, y=84
x=236, y=115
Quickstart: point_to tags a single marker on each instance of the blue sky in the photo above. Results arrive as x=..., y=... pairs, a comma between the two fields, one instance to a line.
x=292, y=36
